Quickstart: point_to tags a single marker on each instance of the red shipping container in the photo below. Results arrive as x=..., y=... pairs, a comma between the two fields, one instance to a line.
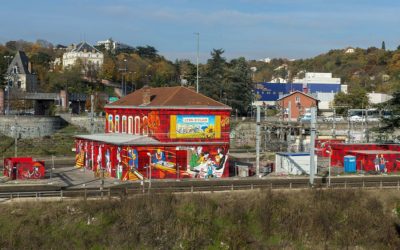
x=365, y=159
x=23, y=168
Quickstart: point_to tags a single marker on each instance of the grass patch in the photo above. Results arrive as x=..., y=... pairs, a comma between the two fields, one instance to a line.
x=307, y=219
x=58, y=144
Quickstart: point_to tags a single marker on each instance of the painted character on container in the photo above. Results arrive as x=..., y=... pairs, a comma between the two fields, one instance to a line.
x=382, y=165
x=376, y=163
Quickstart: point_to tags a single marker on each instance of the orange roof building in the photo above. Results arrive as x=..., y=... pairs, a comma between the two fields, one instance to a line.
x=177, y=131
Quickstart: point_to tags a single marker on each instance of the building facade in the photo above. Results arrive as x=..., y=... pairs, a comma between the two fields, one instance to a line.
x=88, y=55
x=321, y=86
x=169, y=132
x=296, y=104
x=112, y=45
x=20, y=75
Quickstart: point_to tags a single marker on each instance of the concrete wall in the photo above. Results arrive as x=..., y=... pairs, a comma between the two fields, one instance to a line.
x=30, y=126
x=84, y=121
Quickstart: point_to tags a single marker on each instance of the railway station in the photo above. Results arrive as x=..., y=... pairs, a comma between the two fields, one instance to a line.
x=167, y=132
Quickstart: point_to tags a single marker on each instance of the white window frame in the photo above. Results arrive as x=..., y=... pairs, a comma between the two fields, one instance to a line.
x=124, y=124
x=116, y=124
x=137, y=125
x=145, y=130
x=131, y=125
x=110, y=123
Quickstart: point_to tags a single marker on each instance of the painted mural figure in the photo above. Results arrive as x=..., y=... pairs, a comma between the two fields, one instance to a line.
x=382, y=164
x=159, y=157
x=195, y=159
x=99, y=159
x=119, y=171
x=108, y=161
x=219, y=159
x=87, y=159
x=132, y=159
x=376, y=163
x=80, y=156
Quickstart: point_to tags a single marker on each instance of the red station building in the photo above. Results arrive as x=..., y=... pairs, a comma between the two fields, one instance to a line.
x=167, y=132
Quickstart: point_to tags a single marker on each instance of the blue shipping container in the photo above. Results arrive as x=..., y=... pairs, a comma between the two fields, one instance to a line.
x=350, y=164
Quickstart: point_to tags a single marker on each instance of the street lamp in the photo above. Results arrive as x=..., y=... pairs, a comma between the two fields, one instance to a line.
x=149, y=170
x=197, y=62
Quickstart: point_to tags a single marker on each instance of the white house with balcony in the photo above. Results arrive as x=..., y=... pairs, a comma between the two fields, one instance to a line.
x=84, y=52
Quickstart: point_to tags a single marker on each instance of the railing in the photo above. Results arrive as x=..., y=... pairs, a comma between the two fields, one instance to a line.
x=125, y=192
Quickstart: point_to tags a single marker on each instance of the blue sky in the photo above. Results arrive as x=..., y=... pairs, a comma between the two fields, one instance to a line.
x=254, y=29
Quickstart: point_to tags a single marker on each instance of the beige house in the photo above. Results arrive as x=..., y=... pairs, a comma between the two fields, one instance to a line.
x=84, y=52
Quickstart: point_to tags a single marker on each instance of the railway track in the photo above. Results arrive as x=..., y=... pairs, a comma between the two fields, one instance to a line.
x=159, y=187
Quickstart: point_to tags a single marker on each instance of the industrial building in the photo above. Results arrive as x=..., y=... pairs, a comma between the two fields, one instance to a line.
x=321, y=86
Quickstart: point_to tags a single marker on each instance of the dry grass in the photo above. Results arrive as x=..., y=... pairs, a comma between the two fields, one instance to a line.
x=316, y=219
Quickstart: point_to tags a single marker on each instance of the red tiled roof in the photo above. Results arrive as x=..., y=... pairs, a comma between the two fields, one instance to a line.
x=167, y=97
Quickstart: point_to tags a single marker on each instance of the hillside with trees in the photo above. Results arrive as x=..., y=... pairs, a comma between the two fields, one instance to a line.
x=228, y=81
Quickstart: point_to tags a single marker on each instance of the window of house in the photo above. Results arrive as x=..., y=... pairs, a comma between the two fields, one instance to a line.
x=124, y=124
x=130, y=125
x=145, y=128
x=137, y=125
x=297, y=98
x=110, y=123
x=117, y=124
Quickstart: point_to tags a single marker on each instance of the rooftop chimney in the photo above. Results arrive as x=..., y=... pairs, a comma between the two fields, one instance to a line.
x=146, y=95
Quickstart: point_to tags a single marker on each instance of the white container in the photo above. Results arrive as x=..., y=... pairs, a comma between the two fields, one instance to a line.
x=293, y=163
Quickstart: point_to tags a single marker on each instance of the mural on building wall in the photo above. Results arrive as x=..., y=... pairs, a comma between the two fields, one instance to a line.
x=195, y=126
x=206, y=165
x=132, y=163
x=153, y=122
x=80, y=154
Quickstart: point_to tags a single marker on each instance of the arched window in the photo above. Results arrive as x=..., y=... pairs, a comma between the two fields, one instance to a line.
x=145, y=126
x=137, y=125
x=110, y=123
x=130, y=125
x=124, y=123
x=117, y=124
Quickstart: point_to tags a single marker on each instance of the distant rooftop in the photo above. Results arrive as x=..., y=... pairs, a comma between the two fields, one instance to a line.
x=84, y=47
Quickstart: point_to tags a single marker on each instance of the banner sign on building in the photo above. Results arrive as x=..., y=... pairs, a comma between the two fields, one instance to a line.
x=195, y=126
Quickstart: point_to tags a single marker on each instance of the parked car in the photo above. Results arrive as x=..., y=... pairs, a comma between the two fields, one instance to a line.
x=373, y=119
x=333, y=118
x=356, y=118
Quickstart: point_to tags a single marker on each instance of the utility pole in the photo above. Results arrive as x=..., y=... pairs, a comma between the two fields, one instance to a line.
x=334, y=124
x=15, y=137
x=92, y=114
x=312, y=144
x=8, y=83
x=197, y=61
x=366, y=125
x=258, y=142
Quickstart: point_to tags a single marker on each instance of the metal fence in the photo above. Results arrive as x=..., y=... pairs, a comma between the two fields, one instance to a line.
x=146, y=188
